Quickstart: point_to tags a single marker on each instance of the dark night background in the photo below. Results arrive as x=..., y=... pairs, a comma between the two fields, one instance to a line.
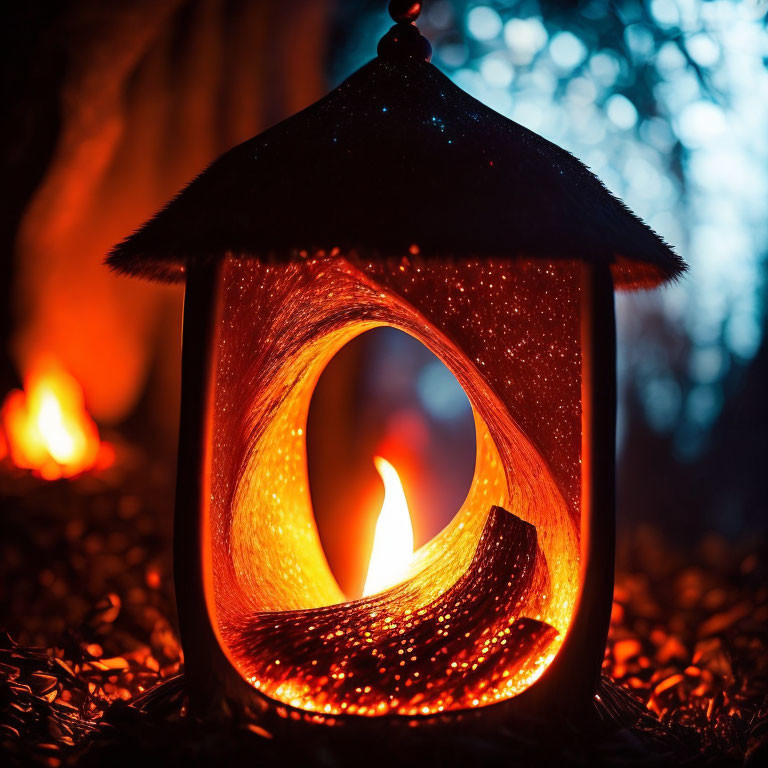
x=109, y=108
x=693, y=368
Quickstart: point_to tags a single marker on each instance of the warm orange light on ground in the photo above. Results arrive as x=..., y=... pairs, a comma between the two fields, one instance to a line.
x=48, y=429
x=393, y=541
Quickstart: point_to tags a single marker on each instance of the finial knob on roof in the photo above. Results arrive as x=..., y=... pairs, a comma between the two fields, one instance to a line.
x=404, y=39
x=404, y=11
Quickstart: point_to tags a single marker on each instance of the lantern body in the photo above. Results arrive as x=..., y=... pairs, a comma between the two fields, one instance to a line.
x=398, y=200
x=277, y=624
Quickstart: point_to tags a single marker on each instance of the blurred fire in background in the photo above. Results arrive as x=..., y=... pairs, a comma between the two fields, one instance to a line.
x=47, y=429
x=111, y=110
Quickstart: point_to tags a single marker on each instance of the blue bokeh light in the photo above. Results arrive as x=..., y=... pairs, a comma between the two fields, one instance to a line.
x=440, y=393
x=671, y=121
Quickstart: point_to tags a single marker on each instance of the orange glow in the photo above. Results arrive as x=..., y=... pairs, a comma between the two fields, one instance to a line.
x=393, y=542
x=482, y=609
x=135, y=124
x=47, y=428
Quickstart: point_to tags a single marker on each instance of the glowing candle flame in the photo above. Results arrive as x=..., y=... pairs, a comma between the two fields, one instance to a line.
x=47, y=428
x=393, y=541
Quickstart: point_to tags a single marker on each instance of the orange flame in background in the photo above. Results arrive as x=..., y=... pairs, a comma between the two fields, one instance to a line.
x=152, y=92
x=393, y=542
x=47, y=428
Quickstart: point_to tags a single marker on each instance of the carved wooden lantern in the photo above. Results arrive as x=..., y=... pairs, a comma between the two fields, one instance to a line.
x=398, y=200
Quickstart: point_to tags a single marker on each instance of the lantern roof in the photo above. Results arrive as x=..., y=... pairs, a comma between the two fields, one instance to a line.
x=397, y=159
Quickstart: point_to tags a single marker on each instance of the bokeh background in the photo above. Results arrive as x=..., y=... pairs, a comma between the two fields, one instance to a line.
x=110, y=108
x=667, y=102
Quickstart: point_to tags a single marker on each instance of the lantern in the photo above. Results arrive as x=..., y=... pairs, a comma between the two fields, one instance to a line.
x=398, y=200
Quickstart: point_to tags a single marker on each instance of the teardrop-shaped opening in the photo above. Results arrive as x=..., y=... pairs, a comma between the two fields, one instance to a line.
x=384, y=394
